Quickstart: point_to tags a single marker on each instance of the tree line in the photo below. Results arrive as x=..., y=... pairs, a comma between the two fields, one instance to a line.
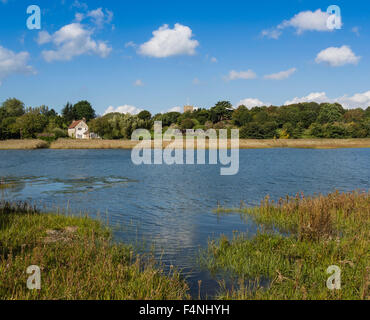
x=301, y=120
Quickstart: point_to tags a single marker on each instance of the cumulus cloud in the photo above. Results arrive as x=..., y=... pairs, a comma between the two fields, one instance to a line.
x=99, y=17
x=281, y=75
x=358, y=100
x=43, y=37
x=251, y=103
x=168, y=42
x=70, y=41
x=174, y=109
x=13, y=63
x=337, y=57
x=123, y=109
x=236, y=75
x=318, y=97
x=301, y=22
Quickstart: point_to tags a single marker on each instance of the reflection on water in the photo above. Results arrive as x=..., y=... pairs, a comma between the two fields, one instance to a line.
x=57, y=185
x=172, y=206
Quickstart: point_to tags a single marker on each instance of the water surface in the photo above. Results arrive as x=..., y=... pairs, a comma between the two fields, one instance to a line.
x=171, y=206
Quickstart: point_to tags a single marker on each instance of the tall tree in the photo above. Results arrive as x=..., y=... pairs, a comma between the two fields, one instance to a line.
x=145, y=115
x=13, y=107
x=83, y=109
x=221, y=111
x=68, y=113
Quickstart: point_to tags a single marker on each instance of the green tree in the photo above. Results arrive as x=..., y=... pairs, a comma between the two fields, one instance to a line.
x=187, y=124
x=168, y=118
x=31, y=123
x=83, y=109
x=13, y=107
x=316, y=130
x=201, y=115
x=330, y=113
x=221, y=111
x=68, y=113
x=354, y=115
x=8, y=129
x=145, y=115
x=241, y=116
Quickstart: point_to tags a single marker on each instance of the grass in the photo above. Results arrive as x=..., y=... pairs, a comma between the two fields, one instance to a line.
x=299, y=239
x=78, y=260
x=243, y=144
x=30, y=144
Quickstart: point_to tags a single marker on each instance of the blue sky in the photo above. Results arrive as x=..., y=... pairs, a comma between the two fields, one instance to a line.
x=251, y=52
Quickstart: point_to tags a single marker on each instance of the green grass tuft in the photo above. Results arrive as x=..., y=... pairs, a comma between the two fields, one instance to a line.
x=299, y=239
x=78, y=260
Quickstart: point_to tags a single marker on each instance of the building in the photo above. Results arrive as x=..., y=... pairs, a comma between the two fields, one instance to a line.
x=79, y=130
x=188, y=109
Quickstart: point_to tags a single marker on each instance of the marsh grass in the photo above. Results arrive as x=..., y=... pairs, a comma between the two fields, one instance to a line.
x=78, y=260
x=29, y=144
x=243, y=144
x=299, y=239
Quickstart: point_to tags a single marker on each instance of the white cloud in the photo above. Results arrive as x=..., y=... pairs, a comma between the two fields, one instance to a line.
x=123, y=109
x=214, y=60
x=80, y=5
x=235, y=75
x=318, y=97
x=99, y=17
x=250, y=103
x=43, y=37
x=272, y=33
x=79, y=17
x=337, y=57
x=308, y=21
x=301, y=22
x=130, y=44
x=281, y=75
x=138, y=83
x=12, y=63
x=358, y=100
x=174, y=109
x=70, y=41
x=168, y=42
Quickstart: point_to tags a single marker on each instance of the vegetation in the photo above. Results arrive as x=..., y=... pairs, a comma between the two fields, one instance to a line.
x=296, y=121
x=77, y=258
x=298, y=240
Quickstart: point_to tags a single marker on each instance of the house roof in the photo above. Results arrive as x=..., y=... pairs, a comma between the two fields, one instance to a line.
x=75, y=124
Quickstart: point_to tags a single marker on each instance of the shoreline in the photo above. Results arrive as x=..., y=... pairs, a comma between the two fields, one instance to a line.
x=69, y=144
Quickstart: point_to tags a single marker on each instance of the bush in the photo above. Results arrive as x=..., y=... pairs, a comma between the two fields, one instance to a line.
x=60, y=133
x=187, y=124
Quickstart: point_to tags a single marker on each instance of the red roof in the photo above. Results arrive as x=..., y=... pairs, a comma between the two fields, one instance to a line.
x=74, y=124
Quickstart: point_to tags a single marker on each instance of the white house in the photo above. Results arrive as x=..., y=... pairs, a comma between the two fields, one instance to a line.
x=79, y=130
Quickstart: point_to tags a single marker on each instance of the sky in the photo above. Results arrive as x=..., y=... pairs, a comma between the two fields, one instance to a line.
x=127, y=56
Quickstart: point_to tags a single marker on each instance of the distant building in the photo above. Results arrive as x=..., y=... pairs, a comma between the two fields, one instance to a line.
x=188, y=109
x=79, y=130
